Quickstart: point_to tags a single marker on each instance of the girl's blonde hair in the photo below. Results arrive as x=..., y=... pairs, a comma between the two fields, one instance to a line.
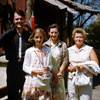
x=79, y=30
x=36, y=31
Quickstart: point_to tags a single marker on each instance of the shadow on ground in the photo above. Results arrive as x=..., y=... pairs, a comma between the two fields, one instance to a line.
x=96, y=80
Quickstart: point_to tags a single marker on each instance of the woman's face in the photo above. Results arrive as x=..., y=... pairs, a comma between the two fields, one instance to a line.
x=38, y=39
x=54, y=33
x=79, y=39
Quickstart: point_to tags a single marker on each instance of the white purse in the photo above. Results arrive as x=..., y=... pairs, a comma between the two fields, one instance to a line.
x=80, y=79
x=42, y=82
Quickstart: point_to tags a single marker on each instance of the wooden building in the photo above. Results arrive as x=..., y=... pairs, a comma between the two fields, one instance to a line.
x=47, y=12
x=57, y=11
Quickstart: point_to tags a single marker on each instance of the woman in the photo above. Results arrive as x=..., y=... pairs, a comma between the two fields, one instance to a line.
x=37, y=65
x=80, y=55
x=59, y=61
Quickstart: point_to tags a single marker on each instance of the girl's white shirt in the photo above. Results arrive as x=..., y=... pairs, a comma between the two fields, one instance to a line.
x=32, y=62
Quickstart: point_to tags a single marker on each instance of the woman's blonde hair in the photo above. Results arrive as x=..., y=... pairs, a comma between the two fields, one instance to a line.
x=36, y=31
x=79, y=30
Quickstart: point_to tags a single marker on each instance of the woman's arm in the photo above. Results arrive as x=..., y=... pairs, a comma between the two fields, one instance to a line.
x=93, y=56
x=62, y=68
x=65, y=56
x=64, y=59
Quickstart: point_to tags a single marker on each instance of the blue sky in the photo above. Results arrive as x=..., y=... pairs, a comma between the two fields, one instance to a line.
x=92, y=19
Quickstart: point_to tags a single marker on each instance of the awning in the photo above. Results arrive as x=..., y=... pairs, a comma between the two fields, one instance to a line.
x=56, y=3
x=60, y=5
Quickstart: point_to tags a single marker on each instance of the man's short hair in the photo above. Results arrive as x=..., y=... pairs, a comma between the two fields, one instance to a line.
x=20, y=12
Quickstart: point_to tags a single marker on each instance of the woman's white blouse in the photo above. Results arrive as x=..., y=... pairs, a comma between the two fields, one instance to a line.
x=78, y=56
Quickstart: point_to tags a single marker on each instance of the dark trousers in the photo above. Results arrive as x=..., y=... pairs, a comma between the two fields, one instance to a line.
x=15, y=80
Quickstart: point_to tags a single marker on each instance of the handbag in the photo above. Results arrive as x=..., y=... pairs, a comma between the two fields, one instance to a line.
x=32, y=83
x=42, y=82
x=81, y=79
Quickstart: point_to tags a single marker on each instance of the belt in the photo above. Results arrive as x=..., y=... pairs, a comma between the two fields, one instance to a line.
x=20, y=59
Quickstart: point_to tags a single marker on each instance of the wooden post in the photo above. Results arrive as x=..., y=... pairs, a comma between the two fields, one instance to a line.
x=70, y=28
x=0, y=28
x=1, y=50
x=28, y=10
x=29, y=6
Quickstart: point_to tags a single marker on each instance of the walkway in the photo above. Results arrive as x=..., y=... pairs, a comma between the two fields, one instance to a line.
x=3, y=62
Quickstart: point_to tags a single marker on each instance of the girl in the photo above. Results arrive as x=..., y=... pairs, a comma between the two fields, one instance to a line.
x=37, y=65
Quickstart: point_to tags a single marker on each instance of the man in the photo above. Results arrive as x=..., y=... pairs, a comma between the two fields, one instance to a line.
x=15, y=42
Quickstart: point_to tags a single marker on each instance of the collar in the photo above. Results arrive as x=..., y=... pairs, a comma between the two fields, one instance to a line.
x=58, y=43
x=74, y=48
x=43, y=51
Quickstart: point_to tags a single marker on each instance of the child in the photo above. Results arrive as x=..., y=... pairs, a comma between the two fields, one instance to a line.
x=37, y=65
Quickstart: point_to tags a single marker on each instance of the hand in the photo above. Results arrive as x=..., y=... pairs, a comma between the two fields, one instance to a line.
x=71, y=68
x=59, y=74
x=81, y=68
x=40, y=72
x=46, y=68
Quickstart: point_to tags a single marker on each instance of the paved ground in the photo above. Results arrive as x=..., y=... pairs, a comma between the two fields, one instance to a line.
x=3, y=62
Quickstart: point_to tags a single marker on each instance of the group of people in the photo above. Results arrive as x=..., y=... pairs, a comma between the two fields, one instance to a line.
x=36, y=66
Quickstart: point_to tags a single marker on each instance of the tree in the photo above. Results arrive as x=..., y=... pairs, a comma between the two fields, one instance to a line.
x=93, y=36
x=81, y=13
x=81, y=20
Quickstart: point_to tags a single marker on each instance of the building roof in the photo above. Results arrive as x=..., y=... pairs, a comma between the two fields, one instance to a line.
x=79, y=7
x=60, y=5
x=71, y=6
x=57, y=3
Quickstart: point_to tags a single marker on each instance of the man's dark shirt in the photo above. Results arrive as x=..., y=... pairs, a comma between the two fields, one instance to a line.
x=9, y=41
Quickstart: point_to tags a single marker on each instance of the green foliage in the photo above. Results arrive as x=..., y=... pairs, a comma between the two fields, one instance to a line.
x=93, y=36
